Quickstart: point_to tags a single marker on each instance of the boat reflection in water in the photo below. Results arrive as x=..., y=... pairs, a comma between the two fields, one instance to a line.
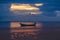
x=25, y=30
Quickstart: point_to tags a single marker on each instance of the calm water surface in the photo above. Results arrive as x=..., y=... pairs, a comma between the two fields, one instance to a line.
x=48, y=31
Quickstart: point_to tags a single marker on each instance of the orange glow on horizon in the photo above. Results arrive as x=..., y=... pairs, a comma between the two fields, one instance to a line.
x=15, y=25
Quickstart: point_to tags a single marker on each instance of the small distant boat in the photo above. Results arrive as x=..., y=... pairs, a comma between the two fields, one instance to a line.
x=27, y=24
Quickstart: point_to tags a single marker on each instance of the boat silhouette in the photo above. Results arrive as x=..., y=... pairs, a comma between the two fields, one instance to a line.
x=26, y=24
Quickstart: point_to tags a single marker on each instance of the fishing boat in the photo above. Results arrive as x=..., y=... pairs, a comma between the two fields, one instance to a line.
x=27, y=24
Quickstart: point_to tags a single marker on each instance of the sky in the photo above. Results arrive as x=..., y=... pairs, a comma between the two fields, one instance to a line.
x=50, y=9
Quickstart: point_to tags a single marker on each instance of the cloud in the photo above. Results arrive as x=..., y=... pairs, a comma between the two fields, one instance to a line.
x=22, y=7
x=57, y=13
x=25, y=8
x=40, y=4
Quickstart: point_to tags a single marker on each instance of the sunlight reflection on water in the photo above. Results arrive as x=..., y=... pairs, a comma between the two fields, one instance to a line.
x=25, y=32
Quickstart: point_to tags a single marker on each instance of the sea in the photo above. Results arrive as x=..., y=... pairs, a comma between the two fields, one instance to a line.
x=50, y=30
